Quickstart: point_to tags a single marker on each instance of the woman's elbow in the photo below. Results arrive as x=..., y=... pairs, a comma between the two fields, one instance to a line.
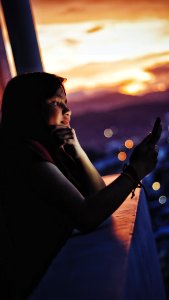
x=87, y=225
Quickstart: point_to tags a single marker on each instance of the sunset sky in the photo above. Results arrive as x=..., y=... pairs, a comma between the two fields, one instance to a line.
x=121, y=45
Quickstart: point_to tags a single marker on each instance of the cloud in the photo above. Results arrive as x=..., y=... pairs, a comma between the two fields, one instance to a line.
x=143, y=74
x=95, y=29
x=51, y=11
x=160, y=74
x=73, y=8
x=97, y=1
x=159, y=69
x=71, y=42
x=92, y=69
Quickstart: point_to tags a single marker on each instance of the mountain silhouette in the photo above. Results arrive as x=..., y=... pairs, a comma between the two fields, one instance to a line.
x=127, y=116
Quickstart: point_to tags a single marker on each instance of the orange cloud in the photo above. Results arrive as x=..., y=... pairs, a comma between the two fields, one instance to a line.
x=75, y=8
x=127, y=39
x=95, y=29
x=161, y=74
x=51, y=11
x=157, y=70
x=137, y=76
x=94, y=68
x=71, y=42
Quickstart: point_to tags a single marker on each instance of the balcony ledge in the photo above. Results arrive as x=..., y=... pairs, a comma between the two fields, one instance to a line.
x=117, y=261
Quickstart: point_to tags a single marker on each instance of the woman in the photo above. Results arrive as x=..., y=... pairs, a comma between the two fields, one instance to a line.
x=48, y=184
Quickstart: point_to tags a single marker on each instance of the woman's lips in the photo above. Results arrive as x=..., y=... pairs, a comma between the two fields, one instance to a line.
x=66, y=122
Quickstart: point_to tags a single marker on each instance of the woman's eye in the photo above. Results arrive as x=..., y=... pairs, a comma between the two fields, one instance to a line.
x=57, y=104
x=54, y=103
x=60, y=104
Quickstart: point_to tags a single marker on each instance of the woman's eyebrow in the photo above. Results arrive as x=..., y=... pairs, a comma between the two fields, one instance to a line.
x=60, y=99
x=63, y=99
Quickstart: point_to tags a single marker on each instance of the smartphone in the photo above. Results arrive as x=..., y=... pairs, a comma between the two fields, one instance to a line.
x=156, y=126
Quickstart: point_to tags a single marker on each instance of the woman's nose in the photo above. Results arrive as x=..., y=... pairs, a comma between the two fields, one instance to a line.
x=67, y=111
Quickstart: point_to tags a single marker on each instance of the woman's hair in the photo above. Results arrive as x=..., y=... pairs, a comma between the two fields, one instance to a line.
x=22, y=99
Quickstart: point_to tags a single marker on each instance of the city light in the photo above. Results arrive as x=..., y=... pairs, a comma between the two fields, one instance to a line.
x=122, y=156
x=108, y=132
x=162, y=199
x=156, y=186
x=129, y=144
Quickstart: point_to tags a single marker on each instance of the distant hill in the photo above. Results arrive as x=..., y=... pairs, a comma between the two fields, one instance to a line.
x=130, y=115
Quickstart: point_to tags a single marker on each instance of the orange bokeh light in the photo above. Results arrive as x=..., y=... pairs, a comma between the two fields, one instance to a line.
x=122, y=156
x=129, y=144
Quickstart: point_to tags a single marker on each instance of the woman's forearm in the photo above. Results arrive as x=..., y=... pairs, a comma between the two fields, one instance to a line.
x=101, y=205
x=85, y=212
x=89, y=176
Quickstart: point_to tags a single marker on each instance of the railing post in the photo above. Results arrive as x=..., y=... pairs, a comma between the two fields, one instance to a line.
x=22, y=35
x=5, y=74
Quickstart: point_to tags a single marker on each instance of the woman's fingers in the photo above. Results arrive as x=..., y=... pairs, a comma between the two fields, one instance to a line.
x=62, y=130
x=152, y=139
x=146, y=139
x=65, y=135
x=144, y=157
x=155, y=137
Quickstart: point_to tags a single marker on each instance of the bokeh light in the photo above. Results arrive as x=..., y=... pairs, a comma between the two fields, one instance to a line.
x=156, y=186
x=129, y=144
x=162, y=199
x=122, y=156
x=108, y=132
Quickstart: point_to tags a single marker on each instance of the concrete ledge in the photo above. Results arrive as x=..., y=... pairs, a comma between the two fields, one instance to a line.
x=117, y=261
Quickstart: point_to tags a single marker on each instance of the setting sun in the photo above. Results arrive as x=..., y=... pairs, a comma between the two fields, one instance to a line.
x=133, y=88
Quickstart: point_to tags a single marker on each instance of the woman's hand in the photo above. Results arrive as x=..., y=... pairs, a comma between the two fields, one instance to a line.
x=66, y=137
x=144, y=156
x=88, y=177
x=72, y=145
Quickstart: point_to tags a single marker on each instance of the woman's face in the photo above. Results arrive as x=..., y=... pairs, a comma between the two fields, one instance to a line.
x=56, y=110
